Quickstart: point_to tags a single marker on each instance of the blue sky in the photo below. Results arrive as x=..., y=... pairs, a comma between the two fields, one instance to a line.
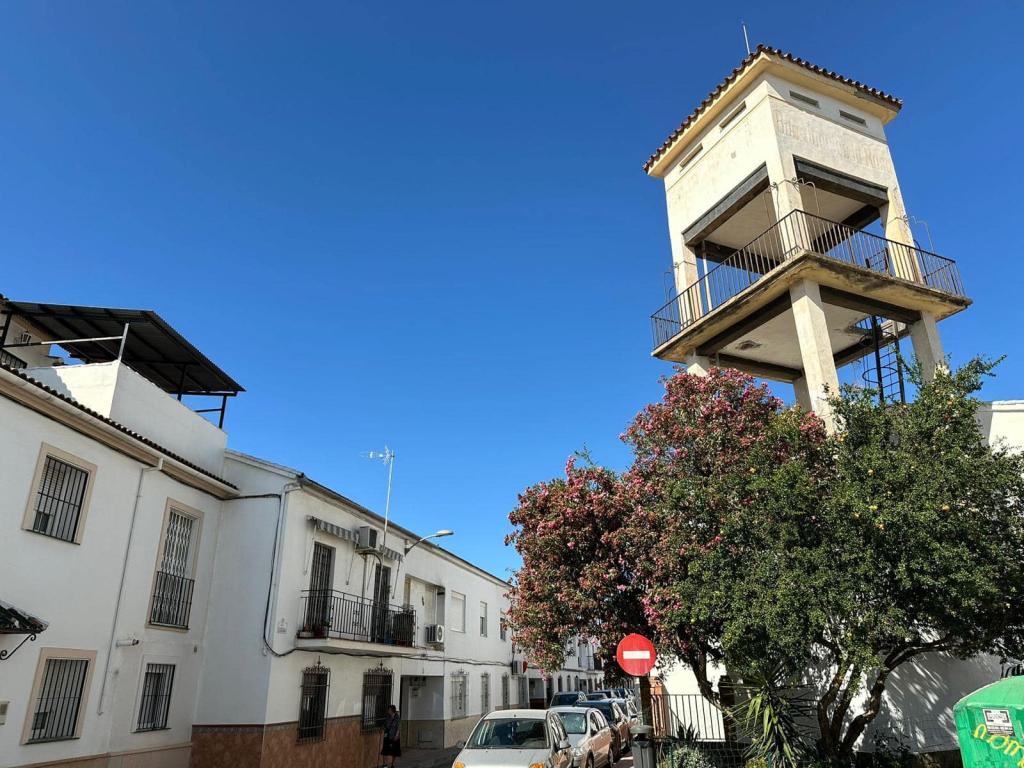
x=425, y=224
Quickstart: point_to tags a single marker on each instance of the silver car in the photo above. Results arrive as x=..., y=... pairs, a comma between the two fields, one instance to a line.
x=590, y=735
x=517, y=738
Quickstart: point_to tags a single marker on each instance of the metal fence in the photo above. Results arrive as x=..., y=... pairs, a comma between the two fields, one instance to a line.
x=329, y=613
x=687, y=715
x=797, y=233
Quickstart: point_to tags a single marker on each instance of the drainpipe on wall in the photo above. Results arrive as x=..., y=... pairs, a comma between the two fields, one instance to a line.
x=275, y=568
x=124, y=572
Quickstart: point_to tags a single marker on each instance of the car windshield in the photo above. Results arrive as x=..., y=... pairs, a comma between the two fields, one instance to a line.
x=574, y=722
x=604, y=708
x=509, y=733
x=564, y=698
x=597, y=696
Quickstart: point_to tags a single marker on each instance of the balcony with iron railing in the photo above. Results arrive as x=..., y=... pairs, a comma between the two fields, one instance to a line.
x=330, y=614
x=795, y=235
x=172, y=600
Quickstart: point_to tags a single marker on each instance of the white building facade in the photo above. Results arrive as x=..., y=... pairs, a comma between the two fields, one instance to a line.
x=106, y=563
x=165, y=601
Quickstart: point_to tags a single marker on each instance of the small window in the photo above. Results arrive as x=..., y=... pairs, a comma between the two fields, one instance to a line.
x=485, y=693
x=155, y=703
x=689, y=157
x=483, y=619
x=503, y=628
x=732, y=115
x=59, y=698
x=458, y=695
x=377, y=684
x=458, y=612
x=316, y=683
x=852, y=118
x=804, y=99
x=61, y=491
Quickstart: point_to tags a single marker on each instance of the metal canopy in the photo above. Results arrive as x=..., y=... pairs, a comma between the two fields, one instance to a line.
x=152, y=347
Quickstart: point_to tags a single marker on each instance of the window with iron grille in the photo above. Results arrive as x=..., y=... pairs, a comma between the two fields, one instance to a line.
x=505, y=700
x=376, y=697
x=524, y=691
x=59, y=497
x=458, y=694
x=485, y=693
x=173, y=585
x=316, y=683
x=503, y=628
x=59, y=700
x=155, y=703
x=483, y=619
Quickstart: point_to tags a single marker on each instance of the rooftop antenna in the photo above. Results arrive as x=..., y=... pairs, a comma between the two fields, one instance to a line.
x=746, y=40
x=388, y=457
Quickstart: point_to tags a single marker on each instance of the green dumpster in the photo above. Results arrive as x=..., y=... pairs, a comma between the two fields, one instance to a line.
x=990, y=724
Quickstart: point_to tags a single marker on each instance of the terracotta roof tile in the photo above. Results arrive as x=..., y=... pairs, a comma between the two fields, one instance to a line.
x=765, y=49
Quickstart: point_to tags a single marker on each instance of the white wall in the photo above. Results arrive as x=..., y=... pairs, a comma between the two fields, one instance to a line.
x=75, y=586
x=116, y=391
x=1002, y=423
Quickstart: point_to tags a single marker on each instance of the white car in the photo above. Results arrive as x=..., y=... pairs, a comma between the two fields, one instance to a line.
x=517, y=738
x=590, y=735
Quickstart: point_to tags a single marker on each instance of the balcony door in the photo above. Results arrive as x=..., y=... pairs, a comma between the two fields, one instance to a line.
x=172, y=589
x=381, y=598
x=321, y=580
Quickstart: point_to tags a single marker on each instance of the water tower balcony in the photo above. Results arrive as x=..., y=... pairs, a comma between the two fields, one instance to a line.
x=739, y=311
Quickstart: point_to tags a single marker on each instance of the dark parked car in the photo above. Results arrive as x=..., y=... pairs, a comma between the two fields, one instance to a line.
x=568, y=699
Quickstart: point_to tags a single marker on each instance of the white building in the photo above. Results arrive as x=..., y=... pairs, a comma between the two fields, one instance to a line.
x=165, y=601
x=794, y=259
x=351, y=622
x=108, y=536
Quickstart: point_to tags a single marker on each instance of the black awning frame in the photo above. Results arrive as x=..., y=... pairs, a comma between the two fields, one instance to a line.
x=151, y=347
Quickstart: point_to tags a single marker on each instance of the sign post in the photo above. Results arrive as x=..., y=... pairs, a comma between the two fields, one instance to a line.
x=636, y=656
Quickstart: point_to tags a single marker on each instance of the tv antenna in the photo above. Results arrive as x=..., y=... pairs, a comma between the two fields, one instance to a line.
x=388, y=457
x=746, y=40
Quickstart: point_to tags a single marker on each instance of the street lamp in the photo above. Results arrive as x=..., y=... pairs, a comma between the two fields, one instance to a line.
x=438, y=535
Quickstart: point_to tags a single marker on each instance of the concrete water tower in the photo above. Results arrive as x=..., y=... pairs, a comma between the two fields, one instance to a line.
x=792, y=251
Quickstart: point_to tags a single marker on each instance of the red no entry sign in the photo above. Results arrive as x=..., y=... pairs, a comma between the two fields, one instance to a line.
x=636, y=655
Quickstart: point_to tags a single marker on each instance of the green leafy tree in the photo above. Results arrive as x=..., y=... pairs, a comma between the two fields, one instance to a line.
x=745, y=535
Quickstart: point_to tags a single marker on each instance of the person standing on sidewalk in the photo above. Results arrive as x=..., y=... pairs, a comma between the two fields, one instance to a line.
x=392, y=747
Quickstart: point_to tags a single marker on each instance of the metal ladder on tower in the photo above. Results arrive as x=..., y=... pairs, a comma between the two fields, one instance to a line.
x=883, y=368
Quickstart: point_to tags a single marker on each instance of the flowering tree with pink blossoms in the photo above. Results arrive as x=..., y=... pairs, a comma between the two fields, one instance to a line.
x=743, y=534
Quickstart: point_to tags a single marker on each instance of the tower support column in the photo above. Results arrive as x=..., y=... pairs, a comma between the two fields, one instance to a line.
x=698, y=365
x=686, y=274
x=820, y=380
x=803, y=395
x=924, y=335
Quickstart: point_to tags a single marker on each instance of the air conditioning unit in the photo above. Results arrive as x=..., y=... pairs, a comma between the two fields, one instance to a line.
x=435, y=634
x=366, y=539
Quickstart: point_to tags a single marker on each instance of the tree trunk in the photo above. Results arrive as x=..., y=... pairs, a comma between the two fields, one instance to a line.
x=870, y=711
